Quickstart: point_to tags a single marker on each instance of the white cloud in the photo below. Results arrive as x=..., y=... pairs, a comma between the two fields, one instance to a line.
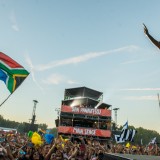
x=54, y=79
x=29, y=62
x=133, y=61
x=57, y=79
x=72, y=82
x=82, y=58
x=140, y=98
x=141, y=89
x=15, y=27
x=14, y=24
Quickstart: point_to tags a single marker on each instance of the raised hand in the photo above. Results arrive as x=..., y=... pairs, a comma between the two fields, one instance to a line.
x=145, y=29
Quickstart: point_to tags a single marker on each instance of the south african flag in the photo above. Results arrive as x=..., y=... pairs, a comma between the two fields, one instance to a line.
x=12, y=73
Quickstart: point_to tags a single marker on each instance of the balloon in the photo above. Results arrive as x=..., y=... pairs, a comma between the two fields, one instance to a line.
x=36, y=139
x=48, y=138
x=30, y=133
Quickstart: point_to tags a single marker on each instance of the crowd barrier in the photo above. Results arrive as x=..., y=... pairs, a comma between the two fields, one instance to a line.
x=129, y=157
x=114, y=157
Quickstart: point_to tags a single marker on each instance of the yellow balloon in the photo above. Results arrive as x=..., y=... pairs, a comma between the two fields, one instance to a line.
x=36, y=139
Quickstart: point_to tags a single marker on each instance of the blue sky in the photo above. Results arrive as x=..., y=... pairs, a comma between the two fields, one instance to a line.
x=97, y=44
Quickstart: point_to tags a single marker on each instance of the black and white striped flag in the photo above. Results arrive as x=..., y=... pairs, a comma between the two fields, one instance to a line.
x=119, y=139
x=132, y=133
x=126, y=135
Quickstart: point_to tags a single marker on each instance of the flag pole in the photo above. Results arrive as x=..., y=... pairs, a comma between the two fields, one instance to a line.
x=158, y=99
x=5, y=99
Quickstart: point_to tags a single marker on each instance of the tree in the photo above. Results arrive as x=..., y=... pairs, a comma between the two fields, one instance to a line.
x=16, y=125
x=42, y=126
x=54, y=131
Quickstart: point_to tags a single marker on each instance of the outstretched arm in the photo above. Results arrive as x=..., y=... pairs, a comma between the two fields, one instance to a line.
x=154, y=41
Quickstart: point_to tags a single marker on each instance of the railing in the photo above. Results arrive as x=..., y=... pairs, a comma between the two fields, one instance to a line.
x=84, y=131
x=86, y=111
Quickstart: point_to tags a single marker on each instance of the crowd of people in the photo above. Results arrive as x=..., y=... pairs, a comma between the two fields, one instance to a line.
x=15, y=146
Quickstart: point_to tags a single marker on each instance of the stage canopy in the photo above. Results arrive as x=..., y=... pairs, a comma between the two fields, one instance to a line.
x=85, y=102
x=83, y=92
x=103, y=106
x=80, y=102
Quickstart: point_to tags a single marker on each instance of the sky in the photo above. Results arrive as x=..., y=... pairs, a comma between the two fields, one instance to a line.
x=99, y=44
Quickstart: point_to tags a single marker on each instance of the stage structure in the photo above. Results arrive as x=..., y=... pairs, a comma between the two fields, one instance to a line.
x=84, y=113
x=32, y=126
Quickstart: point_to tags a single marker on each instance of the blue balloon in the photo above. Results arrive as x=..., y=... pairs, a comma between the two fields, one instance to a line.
x=48, y=138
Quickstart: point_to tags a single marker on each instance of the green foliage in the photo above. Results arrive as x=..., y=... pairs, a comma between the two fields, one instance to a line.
x=16, y=125
x=8, y=123
x=146, y=136
x=54, y=132
x=42, y=126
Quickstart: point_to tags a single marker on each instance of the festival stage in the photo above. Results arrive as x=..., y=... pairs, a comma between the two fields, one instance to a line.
x=129, y=157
